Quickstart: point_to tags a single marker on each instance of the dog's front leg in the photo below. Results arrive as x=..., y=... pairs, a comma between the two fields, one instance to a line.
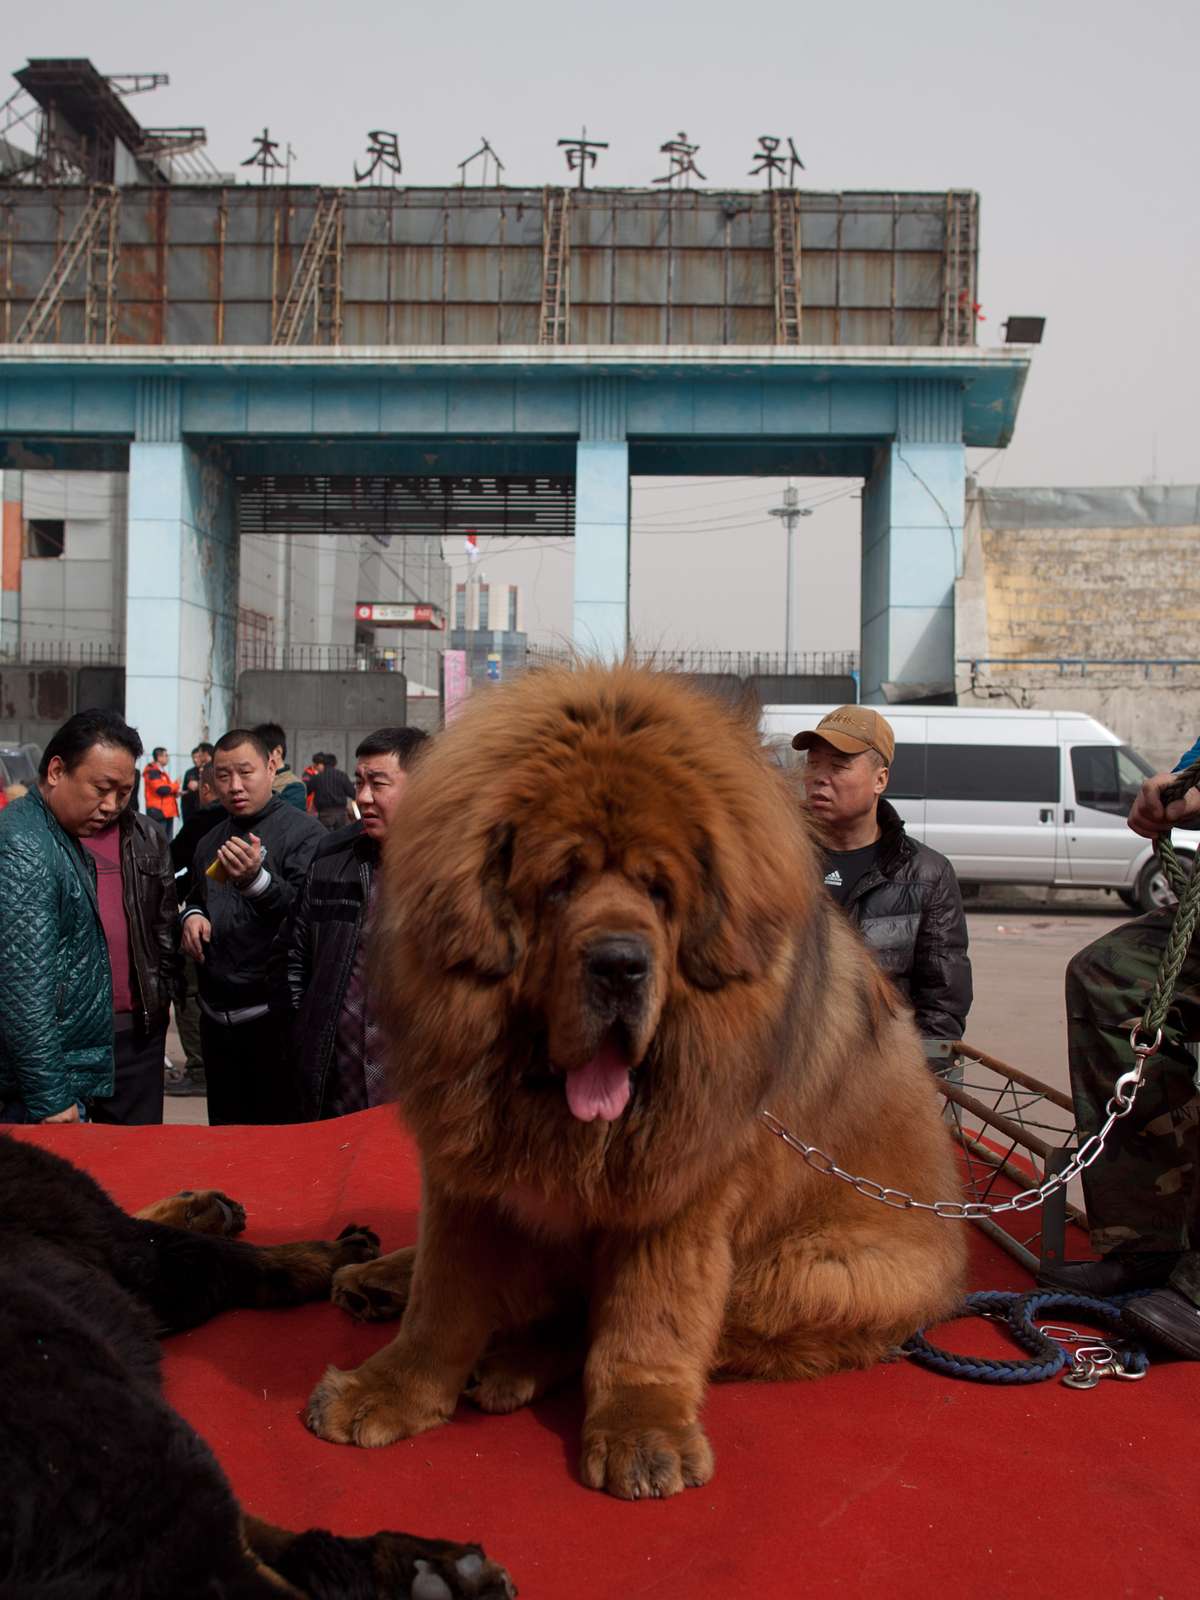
x=413, y=1384
x=657, y=1304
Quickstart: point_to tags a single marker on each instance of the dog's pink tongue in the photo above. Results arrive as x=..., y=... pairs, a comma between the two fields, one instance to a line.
x=601, y=1087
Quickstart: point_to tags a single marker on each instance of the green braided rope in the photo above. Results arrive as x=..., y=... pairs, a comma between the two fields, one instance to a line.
x=1187, y=914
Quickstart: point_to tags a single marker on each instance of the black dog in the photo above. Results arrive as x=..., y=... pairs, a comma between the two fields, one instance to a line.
x=104, y=1490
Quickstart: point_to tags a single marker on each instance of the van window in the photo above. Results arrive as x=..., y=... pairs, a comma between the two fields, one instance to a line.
x=1107, y=778
x=906, y=775
x=1009, y=772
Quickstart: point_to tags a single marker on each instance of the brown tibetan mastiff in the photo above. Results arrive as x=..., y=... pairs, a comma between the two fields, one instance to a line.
x=604, y=951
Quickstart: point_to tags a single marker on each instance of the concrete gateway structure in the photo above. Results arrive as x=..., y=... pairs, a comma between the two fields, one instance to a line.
x=191, y=422
x=278, y=360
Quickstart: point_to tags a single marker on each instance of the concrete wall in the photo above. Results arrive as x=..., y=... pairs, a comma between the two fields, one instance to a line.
x=299, y=591
x=80, y=595
x=1106, y=582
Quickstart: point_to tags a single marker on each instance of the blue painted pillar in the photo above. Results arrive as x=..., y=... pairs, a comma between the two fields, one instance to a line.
x=181, y=582
x=912, y=542
x=601, y=615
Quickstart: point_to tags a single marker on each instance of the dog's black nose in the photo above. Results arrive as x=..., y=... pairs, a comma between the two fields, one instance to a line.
x=620, y=961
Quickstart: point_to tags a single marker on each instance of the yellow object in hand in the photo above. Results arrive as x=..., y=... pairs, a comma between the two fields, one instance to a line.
x=217, y=872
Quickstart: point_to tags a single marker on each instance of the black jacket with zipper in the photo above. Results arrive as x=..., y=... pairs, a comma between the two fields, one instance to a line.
x=152, y=911
x=908, y=908
x=243, y=960
x=326, y=930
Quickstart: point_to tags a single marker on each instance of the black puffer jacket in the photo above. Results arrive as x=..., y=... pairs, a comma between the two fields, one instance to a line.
x=909, y=910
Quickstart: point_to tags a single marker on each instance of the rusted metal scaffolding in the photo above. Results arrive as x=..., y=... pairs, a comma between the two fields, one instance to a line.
x=314, y=296
x=960, y=268
x=555, y=315
x=785, y=229
x=236, y=264
x=92, y=243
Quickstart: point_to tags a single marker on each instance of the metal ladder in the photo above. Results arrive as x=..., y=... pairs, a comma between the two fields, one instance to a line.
x=94, y=236
x=960, y=267
x=785, y=231
x=315, y=289
x=556, y=255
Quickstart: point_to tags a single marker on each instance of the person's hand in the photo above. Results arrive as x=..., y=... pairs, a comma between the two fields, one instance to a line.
x=1148, y=818
x=71, y=1114
x=193, y=785
x=197, y=931
x=242, y=859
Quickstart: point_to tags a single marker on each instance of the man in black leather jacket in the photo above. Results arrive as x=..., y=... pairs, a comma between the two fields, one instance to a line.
x=139, y=912
x=338, y=1052
x=902, y=896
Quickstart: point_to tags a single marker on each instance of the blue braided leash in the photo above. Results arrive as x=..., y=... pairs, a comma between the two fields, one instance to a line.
x=1018, y=1313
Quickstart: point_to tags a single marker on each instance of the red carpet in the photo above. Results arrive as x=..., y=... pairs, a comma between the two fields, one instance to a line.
x=892, y=1484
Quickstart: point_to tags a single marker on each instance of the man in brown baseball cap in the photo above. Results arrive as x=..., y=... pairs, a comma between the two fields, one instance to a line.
x=901, y=895
x=852, y=729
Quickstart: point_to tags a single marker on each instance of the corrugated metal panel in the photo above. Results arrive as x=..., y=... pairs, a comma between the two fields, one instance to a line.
x=465, y=265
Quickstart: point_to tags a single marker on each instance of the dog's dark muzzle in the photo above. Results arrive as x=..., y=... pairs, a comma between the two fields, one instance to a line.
x=618, y=968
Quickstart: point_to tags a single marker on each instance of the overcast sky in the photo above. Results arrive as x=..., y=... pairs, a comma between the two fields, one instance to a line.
x=1076, y=122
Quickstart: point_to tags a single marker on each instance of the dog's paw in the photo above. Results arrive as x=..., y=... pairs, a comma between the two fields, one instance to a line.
x=374, y=1291
x=353, y=1245
x=500, y=1391
x=357, y=1408
x=210, y=1211
x=443, y=1572
x=395, y=1564
x=198, y=1211
x=645, y=1463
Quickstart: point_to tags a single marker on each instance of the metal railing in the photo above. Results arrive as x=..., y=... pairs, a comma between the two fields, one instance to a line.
x=63, y=653
x=255, y=657
x=1080, y=662
x=733, y=663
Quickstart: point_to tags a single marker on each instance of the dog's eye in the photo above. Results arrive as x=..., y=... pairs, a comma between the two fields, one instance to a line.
x=562, y=885
x=660, y=894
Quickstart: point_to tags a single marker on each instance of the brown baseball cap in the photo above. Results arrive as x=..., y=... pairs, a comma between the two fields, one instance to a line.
x=852, y=729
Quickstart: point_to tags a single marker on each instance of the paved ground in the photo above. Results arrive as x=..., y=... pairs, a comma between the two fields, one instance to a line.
x=1021, y=941
x=1020, y=945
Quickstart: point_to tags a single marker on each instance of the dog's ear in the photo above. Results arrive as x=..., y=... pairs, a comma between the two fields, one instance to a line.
x=721, y=942
x=474, y=923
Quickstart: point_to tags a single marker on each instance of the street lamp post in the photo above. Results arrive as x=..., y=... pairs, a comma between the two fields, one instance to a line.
x=790, y=513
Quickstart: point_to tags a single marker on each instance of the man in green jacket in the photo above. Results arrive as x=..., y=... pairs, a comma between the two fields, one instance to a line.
x=56, y=1005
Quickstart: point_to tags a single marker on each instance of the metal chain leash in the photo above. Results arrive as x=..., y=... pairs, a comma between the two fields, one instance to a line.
x=1187, y=887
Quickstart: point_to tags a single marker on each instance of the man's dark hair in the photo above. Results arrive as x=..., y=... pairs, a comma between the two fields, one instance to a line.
x=84, y=730
x=206, y=748
x=318, y=757
x=272, y=736
x=329, y=759
x=403, y=743
x=236, y=737
x=159, y=750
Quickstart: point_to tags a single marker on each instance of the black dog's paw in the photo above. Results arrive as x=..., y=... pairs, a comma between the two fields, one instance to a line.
x=214, y=1212
x=355, y=1243
x=437, y=1571
x=393, y=1564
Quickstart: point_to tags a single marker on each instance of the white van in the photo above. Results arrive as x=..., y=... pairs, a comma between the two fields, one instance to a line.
x=1013, y=796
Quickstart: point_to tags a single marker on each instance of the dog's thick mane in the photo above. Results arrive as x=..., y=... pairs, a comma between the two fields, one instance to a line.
x=625, y=757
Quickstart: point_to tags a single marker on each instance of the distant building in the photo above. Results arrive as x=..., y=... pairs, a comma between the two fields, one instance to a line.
x=64, y=584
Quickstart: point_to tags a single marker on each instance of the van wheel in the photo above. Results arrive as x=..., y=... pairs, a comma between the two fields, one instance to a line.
x=1153, y=892
x=1129, y=896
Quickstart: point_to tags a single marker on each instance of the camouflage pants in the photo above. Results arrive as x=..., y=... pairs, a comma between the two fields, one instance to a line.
x=1144, y=1191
